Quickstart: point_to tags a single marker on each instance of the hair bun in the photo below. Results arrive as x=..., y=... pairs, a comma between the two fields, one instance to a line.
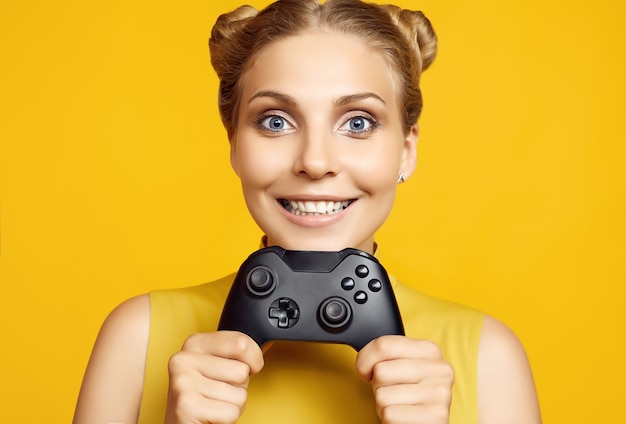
x=224, y=33
x=418, y=30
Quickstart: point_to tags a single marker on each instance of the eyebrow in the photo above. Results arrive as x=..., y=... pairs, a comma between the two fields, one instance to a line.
x=283, y=98
x=353, y=98
x=341, y=101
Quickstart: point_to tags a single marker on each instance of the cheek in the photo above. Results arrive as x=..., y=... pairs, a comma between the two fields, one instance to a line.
x=258, y=165
x=378, y=168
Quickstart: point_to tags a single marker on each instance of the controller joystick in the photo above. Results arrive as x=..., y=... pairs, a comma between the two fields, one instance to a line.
x=260, y=281
x=332, y=297
x=335, y=313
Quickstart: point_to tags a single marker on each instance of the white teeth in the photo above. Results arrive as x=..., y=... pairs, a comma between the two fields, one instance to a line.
x=319, y=207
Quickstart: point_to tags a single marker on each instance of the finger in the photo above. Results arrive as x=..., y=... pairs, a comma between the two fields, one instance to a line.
x=227, y=344
x=196, y=408
x=414, y=414
x=224, y=392
x=191, y=366
x=193, y=395
x=231, y=371
x=386, y=348
x=222, y=412
x=414, y=394
x=408, y=371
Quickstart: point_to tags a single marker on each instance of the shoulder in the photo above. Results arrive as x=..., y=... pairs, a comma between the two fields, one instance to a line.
x=500, y=349
x=506, y=389
x=126, y=327
x=113, y=382
x=132, y=315
x=125, y=331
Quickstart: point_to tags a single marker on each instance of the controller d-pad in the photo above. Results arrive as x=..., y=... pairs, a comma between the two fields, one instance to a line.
x=284, y=313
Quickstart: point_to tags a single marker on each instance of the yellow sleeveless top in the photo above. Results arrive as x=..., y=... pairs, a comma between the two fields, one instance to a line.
x=310, y=382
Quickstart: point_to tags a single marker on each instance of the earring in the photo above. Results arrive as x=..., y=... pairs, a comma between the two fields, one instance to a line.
x=401, y=177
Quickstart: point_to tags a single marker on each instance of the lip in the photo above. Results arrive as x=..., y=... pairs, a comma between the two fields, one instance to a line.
x=314, y=220
x=320, y=206
x=314, y=197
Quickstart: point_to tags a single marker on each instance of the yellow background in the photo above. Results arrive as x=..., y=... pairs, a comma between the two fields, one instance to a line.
x=114, y=180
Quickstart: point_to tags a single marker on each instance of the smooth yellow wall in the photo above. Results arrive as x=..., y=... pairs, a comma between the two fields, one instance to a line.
x=114, y=180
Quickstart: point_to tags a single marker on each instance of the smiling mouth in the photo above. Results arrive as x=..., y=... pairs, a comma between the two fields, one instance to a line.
x=314, y=207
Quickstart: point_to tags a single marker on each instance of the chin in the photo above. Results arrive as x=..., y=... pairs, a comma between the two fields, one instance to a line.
x=322, y=244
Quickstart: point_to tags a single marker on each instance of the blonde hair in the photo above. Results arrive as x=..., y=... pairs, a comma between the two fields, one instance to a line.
x=405, y=38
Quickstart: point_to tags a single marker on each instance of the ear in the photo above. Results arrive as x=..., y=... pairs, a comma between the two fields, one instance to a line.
x=233, y=154
x=409, y=152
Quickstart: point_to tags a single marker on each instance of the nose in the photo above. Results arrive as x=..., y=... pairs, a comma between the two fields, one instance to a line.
x=317, y=156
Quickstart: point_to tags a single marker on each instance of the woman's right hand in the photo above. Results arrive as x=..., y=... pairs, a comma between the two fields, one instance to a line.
x=208, y=378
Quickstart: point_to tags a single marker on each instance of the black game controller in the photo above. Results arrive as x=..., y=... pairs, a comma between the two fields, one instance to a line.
x=335, y=297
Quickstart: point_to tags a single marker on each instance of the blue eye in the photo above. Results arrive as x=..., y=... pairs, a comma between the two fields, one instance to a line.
x=274, y=123
x=359, y=125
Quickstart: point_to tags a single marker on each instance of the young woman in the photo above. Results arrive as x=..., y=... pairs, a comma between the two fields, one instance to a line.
x=320, y=103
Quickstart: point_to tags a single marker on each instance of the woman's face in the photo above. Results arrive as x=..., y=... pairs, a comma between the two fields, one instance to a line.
x=319, y=143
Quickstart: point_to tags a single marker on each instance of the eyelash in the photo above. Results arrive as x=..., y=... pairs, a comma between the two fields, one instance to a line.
x=262, y=123
x=373, y=124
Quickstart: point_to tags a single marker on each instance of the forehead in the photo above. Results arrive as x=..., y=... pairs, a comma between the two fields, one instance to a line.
x=320, y=65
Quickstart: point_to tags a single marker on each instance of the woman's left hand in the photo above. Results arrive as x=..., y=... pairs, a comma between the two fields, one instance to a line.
x=412, y=383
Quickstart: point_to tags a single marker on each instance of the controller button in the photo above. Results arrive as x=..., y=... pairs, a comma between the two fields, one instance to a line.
x=375, y=285
x=284, y=312
x=347, y=283
x=360, y=297
x=335, y=312
x=362, y=271
x=261, y=281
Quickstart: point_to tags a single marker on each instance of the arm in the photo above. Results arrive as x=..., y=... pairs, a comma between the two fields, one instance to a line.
x=506, y=390
x=113, y=382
